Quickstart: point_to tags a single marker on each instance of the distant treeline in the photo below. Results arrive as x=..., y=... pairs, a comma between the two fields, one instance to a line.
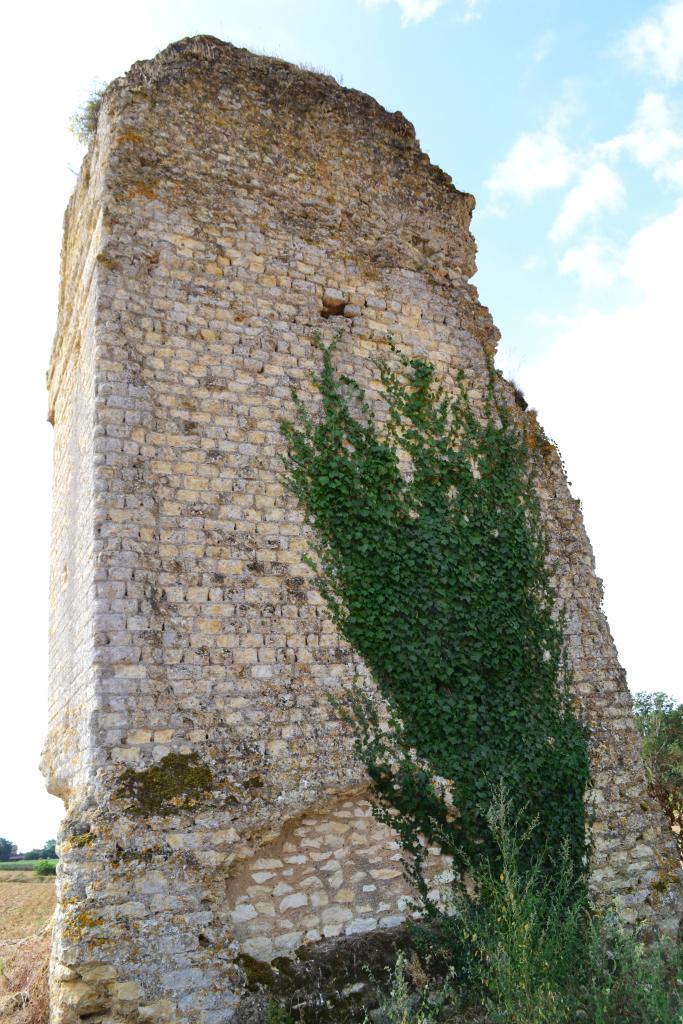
x=9, y=851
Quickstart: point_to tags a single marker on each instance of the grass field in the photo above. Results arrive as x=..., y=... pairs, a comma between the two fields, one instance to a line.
x=20, y=865
x=26, y=906
x=23, y=878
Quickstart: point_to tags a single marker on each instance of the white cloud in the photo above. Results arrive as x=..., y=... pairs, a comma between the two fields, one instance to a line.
x=657, y=43
x=653, y=264
x=653, y=140
x=543, y=161
x=608, y=391
x=599, y=188
x=544, y=45
x=412, y=11
x=595, y=263
x=537, y=162
x=471, y=11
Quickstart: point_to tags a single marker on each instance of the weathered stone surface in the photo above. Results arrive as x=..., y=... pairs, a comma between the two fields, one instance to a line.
x=230, y=206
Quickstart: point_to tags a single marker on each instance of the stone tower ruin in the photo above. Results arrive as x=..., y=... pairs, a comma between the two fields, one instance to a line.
x=229, y=206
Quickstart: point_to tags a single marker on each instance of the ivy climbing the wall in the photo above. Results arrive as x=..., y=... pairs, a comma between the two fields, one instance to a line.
x=429, y=551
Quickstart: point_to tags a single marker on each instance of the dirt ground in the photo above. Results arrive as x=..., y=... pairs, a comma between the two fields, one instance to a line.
x=26, y=906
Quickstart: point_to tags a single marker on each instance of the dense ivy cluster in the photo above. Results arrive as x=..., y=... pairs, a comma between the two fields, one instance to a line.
x=430, y=555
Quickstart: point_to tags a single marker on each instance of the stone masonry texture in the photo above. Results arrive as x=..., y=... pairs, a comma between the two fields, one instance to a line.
x=229, y=207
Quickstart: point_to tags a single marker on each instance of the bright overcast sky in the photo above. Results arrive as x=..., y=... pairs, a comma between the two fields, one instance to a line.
x=566, y=122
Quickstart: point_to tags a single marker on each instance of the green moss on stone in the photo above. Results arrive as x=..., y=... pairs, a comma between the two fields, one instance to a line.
x=284, y=965
x=256, y=972
x=176, y=782
x=325, y=982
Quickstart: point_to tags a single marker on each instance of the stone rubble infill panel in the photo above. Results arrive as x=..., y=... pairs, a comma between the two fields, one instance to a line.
x=321, y=880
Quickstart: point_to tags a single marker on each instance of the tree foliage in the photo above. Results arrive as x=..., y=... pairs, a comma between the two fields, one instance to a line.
x=660, y=723
x=46, y=851
x=430, y=555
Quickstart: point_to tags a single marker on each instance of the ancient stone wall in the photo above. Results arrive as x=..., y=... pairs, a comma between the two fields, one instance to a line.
x=229, y=207
x=72, y=385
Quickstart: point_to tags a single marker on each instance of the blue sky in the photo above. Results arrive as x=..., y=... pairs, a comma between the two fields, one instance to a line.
x=564, y=120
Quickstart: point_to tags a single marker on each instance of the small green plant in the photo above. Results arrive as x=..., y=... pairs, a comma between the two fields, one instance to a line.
x=275, y=1014
x=631, y=981
x=525, y=932
x=83, y=123
x=45, y=867
x=411, y=1000
x=534, y=953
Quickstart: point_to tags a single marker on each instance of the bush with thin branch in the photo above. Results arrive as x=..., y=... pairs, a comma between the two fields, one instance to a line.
x=83, y=123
